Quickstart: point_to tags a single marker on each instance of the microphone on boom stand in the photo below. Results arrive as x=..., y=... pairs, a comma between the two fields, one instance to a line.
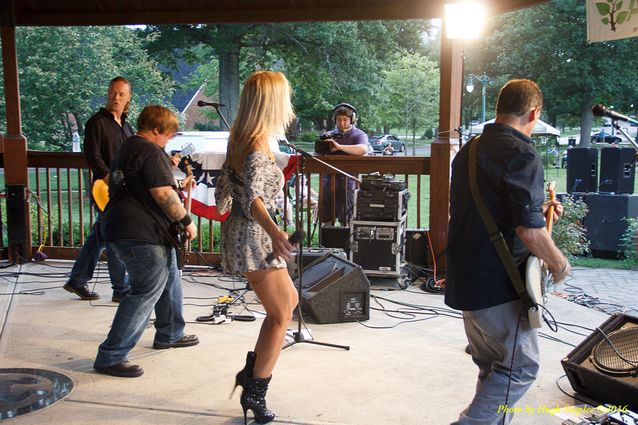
x=202, y=103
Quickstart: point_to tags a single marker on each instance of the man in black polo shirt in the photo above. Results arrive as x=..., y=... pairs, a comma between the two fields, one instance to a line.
x=510, y=181
x=104, y=134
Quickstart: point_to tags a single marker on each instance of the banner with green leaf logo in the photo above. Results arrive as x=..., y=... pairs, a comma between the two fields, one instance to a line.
x=611, y=19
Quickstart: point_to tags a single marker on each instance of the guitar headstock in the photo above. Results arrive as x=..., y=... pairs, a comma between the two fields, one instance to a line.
x=184, y=152
x=551, y=188
x=184, y=158
x=187, y=150
x=188, y=169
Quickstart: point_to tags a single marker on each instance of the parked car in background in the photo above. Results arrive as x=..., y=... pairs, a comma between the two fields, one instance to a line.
x=603, y=137
x=380, y=143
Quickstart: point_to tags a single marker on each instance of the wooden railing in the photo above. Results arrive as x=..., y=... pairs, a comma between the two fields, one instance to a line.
x=62, y=214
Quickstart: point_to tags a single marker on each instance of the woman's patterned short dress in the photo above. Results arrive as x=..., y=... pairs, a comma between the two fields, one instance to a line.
x=244, y=243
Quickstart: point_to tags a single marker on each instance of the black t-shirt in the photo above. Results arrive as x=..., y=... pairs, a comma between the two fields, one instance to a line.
x=138, y=166
x=510, y=181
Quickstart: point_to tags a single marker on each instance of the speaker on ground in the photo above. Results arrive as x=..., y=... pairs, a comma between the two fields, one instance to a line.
x=417, y=247
x=334, y=237
x=335, y=290
x=595, y=369
x=606, y=222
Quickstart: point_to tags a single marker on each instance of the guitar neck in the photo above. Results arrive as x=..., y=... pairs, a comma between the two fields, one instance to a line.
x=550, y=211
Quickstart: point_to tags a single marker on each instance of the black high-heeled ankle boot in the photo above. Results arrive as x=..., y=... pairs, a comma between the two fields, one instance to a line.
x=253, y=397
x=247, y=371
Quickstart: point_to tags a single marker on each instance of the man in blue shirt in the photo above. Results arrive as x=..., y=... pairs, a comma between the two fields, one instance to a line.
x=510, y=181
x=346, y=138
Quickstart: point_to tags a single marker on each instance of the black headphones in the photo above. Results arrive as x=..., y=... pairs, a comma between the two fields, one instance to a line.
x=355, y=114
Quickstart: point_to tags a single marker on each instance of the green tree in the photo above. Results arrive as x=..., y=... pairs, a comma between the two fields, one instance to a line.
x=64, y=74
x=327, y=62
x=411, y=93
x=548, y=43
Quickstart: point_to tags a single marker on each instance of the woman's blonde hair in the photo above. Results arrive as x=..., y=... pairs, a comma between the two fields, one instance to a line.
x=265, y=110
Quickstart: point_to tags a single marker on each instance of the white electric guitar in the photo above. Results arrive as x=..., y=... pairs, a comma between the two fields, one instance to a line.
x=536, y=273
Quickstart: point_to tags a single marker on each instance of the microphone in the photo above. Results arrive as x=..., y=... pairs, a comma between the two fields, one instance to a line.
x=201, y=103
x=296, y=237
x=601, y=110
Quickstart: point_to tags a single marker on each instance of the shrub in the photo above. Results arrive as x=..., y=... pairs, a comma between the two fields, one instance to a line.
x=569, y=232
x=629, y=240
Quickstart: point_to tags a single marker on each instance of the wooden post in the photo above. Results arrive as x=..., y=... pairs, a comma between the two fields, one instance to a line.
x=15, y=155
x=445, y=145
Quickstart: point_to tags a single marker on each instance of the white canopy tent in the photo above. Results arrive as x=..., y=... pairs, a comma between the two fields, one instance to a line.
x=541, y=128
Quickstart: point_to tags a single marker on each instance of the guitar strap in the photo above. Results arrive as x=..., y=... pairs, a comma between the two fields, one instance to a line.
x=495, y=235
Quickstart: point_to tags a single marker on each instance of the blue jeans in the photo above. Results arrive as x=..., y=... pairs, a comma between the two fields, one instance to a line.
x=88, y=258
x=155, y=284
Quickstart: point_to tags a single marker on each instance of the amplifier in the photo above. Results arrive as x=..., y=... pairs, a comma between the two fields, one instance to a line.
x=377, y=182
x=334, y=236
x=378, y=246
x=381, y=205
x=417, y=247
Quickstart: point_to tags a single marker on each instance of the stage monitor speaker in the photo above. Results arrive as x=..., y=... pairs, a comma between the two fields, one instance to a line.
x=310, y=255
x=595, y=370
x=417, y=247
x=606, y=222
x=582, y=170
x=334, y=237
x=617, y=170
x=335, y=290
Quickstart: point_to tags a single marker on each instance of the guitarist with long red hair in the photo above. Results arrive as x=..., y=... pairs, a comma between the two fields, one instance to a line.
x=509, y=178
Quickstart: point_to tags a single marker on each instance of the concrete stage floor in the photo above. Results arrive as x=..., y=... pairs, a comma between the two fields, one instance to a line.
x=406, y=367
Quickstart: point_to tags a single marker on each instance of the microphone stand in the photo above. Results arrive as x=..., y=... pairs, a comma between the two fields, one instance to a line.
x=216, y=106
x=617, y=126
x=222, y=116
x=298, y=336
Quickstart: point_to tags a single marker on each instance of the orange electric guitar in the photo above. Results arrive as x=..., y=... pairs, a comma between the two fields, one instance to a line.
x=536, y=273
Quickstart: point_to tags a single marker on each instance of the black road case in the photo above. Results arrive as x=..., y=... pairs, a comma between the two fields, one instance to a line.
x=378, y=246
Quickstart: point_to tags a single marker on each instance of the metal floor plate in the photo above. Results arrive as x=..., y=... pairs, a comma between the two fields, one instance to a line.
x=26, y=390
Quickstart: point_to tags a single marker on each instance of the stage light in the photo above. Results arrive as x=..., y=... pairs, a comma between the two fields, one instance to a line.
x=464, y=19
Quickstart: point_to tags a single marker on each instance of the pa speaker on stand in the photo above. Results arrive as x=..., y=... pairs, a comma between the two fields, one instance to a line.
x=617, y=170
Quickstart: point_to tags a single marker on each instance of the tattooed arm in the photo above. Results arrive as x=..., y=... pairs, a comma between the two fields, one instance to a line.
x=169, y=202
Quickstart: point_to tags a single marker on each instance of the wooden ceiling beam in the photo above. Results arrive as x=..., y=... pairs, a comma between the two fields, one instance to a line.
x=115, y=12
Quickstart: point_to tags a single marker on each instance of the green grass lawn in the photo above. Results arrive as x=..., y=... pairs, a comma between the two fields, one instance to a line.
x=601, y=263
